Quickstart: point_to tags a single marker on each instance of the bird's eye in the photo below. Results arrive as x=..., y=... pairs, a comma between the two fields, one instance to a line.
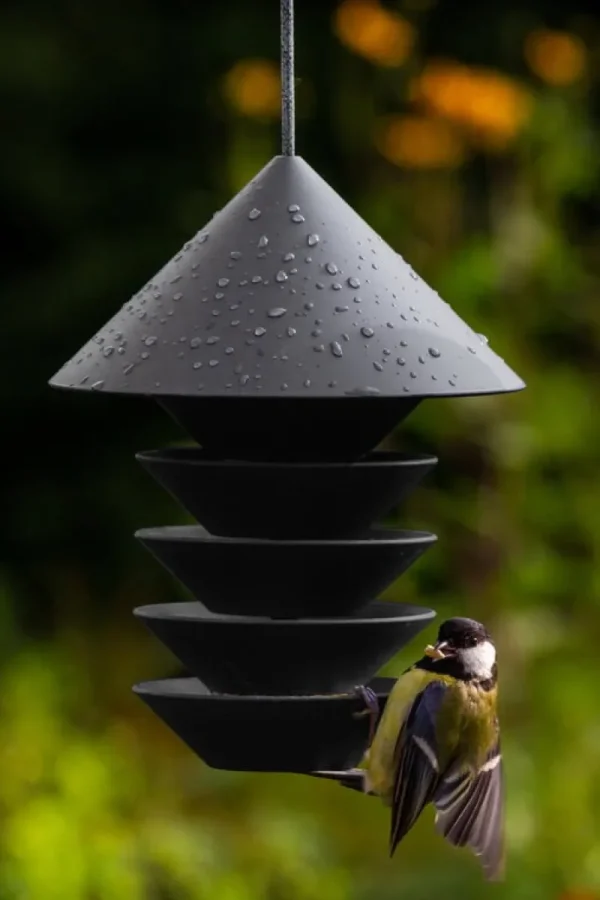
x=471, y=641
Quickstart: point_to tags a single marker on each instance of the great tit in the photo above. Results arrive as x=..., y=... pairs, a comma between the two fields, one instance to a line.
x=438, y=741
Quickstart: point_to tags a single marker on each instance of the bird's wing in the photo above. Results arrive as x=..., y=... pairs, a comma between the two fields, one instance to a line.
x=380, y=759
x=470, y=812
x=417, y=774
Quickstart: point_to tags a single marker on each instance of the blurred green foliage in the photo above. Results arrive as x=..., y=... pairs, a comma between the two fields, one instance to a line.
x=119, y=142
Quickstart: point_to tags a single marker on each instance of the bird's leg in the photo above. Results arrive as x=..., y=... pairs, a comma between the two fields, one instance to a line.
x=369, y=697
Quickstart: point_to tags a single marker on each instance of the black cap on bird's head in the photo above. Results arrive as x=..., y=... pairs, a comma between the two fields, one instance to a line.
x=460, y=633
x=465, y=648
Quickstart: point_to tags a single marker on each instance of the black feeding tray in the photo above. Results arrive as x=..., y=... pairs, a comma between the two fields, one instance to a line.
x=284, y=579
x=289, y=428
x=286, y=500
x=264, y=734
x=311, y=656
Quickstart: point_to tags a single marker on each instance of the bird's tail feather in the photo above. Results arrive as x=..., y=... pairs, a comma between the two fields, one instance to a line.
x=349, y=778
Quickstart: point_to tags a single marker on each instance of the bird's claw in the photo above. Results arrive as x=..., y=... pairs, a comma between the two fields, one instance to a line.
x=369, y=697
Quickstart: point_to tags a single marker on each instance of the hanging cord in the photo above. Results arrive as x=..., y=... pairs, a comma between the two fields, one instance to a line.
x=288, y=100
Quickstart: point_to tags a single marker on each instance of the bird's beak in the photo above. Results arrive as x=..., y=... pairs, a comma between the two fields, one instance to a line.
x=440, y=651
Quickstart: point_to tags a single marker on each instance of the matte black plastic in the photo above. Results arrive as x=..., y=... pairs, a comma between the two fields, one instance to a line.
x=287, y=290
x=252, y=655
x=289, y=429
x=284, y=579
x=295, y=500
x=264, y=734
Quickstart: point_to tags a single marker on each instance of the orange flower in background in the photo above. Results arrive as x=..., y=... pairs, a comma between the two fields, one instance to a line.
x=555, y=56
x=252, y=87
x=420, y=143
x=382, y=36
x=579, y=895
x=490, y=105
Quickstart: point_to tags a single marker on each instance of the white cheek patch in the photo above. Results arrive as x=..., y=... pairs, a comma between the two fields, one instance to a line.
x=479, y=660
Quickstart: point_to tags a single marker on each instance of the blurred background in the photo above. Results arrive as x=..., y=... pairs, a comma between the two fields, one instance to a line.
x=467, y=135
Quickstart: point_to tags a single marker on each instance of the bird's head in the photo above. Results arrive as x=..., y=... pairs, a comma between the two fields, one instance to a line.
x=469, y=644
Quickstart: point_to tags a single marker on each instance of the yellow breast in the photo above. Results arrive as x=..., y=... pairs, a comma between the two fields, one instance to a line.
x=466, y=726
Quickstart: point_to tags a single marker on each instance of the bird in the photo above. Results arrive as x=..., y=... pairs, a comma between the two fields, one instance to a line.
x=438, y=742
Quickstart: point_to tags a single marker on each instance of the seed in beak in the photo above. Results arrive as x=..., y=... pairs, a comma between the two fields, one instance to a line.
x=436, y=652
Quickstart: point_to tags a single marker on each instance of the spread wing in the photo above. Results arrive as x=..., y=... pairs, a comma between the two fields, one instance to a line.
x=470, y=812
x=417, y=776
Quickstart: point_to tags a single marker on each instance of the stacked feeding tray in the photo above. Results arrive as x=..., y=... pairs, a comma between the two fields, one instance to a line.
x=288, y=339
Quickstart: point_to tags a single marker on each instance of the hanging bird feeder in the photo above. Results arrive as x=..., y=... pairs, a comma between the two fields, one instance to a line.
x=288, y=339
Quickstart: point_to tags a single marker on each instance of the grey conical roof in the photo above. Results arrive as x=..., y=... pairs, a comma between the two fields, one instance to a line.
x=287, y=288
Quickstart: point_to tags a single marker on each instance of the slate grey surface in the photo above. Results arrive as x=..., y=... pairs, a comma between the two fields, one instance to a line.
x=287, y=289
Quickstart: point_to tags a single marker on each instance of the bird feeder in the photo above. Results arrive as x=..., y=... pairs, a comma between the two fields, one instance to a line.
x=287, y=339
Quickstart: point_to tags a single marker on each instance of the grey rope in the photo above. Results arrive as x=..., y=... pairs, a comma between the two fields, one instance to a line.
x=288, y=125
